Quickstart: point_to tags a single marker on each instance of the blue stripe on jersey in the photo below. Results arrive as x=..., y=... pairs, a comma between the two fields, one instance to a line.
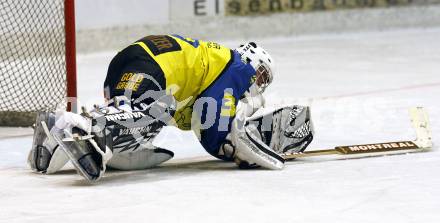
x=226, y=91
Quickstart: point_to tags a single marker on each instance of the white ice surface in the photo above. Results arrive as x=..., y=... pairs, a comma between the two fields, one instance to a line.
x=359, y=86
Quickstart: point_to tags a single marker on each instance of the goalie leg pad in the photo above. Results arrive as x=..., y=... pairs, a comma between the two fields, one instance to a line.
x=58, y=161
x=45, y=157
x=87, y=157
x=140, y=159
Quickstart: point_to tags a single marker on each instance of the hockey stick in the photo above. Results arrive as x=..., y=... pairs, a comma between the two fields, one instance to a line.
x=423, y=142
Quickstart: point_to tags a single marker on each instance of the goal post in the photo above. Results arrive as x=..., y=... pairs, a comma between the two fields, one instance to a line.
x=69, y=24
x=37, y=59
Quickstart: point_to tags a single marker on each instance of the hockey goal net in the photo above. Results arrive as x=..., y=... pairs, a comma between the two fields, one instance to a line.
x=37, y=58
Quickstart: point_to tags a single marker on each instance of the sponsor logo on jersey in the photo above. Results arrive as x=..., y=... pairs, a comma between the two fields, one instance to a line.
x=130, y=81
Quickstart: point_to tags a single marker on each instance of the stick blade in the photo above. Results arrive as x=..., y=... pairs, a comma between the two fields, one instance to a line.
x=420, y=122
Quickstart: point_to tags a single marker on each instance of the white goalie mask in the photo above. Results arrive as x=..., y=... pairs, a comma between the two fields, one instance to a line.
x=260, y=60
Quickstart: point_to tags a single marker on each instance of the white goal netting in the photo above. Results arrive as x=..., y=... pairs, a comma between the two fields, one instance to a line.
x=32, y=57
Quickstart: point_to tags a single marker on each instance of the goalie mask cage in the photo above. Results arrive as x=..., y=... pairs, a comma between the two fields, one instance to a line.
x=37, y=58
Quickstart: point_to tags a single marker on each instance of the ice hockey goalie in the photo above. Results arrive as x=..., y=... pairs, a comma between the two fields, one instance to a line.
x=171, y=80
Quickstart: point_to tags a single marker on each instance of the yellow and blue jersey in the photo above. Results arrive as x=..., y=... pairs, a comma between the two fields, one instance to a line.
x=204, y=77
